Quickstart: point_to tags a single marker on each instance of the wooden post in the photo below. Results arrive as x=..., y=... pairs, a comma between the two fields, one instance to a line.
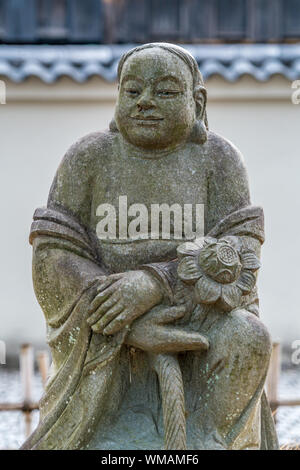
x=27, y=370
x=43, y=362
x=273, y=378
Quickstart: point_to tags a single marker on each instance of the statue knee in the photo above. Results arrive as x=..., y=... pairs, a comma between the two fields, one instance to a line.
x=249, y=335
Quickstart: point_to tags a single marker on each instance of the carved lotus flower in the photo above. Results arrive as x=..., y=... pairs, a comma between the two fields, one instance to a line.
x=221, y=270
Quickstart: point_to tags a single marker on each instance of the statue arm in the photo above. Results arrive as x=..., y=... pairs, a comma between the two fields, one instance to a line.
x=166, y=273
x=223, y=265
x=71, y=190
x=65, y=251
x=227, y=189
x=64, y=259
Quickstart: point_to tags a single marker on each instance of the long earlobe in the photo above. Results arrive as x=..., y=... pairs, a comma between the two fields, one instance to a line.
x=199, y=132
x=113, y=126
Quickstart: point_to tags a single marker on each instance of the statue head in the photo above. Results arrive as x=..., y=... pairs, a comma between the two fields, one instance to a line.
x=162, y=100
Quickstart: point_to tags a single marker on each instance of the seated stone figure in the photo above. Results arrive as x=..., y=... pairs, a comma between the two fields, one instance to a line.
x=156, y=341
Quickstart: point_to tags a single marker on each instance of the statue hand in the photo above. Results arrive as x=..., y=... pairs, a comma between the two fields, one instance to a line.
x=128, y=296
x=151, y=334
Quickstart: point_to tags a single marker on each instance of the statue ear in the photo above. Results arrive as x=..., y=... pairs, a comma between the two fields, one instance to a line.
x=199, y=131
x=200, y=97
x=113, y=126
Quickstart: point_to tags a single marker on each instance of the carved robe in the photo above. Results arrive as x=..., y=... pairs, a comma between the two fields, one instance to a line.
x=101, y=393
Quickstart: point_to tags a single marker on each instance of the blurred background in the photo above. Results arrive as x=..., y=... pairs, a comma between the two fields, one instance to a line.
x=58, y=62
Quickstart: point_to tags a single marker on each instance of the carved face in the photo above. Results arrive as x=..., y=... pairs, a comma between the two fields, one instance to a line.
x=156, y=108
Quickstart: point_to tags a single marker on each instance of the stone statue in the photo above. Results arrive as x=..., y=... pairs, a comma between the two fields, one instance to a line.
x=154, y=330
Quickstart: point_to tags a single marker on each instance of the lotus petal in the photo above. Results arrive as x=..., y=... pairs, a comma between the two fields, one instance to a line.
x=246, y=281
x=249, y=260
x=231, y=296
x=232, y=240
x=207, y=291
x=187, y=249
x=200, y=242
x=210, y=240
x=188, y=269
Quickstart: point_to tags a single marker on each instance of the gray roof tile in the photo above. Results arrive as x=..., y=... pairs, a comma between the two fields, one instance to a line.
x=80, y=62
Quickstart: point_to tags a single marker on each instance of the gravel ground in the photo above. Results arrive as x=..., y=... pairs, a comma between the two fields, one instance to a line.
x=288, y=417
x=12, y=422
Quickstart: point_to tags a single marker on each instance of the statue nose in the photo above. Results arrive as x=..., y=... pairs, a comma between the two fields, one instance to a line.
x=145, y=101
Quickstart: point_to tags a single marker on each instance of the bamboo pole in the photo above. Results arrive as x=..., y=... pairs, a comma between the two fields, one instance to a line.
x=273, y=377
x=295, y=402
x=43, y=363
x=19, y=407
x=27, y=375
x=27, y=370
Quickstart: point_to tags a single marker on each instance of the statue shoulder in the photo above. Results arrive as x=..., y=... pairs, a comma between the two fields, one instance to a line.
x=74, y=179
x=222, y=153
x=85, y=150
x=228, y=177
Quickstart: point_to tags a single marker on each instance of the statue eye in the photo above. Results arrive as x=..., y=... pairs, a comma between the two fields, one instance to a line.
x=132, y=92
x=167, y=93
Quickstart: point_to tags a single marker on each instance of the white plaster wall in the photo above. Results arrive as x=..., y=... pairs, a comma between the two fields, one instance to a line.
x=38, y=124
x=267, y=132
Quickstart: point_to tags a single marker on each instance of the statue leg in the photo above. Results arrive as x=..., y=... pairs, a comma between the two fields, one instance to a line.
x=228, y=379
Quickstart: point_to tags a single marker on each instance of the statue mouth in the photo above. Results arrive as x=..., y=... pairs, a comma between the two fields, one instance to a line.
x=146, y=121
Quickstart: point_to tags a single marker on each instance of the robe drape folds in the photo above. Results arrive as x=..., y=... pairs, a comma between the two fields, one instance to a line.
x=91, y=372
